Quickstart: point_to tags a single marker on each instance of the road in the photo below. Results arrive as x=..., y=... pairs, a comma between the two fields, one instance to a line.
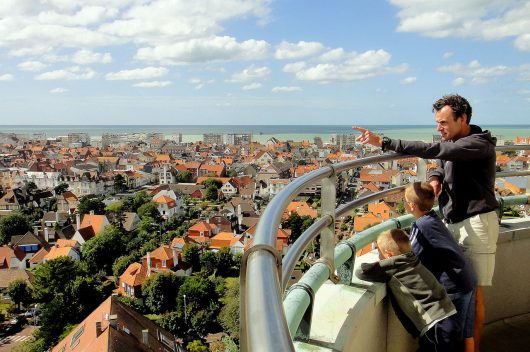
x=7, y=343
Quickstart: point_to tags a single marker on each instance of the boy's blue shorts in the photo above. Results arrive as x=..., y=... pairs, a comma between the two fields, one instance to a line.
x=465, y=311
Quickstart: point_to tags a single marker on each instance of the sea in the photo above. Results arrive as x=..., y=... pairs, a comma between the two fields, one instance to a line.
x=260, y=133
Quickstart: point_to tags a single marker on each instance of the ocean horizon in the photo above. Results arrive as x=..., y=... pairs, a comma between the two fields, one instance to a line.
x=260, y=133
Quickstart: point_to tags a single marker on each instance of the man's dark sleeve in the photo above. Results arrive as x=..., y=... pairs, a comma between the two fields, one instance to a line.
x=463, y=149
x=372, y=272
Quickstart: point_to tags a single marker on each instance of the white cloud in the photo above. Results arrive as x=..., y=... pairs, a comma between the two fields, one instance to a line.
x=333, y=55
x=200, y=83
x=475, y=72
x=408, y=80
x=85, y=57
x=71, y=73
x=301, y=49
x=137, y=74
x=58, y=90
x=353, y=67
x=448, y=55
x=252, y=86
x=6, y=77
x=33, y=66
x=285, y=89
x=482, y=19
x=251, y=73
x=212, y=49
x=152, y=84
x=459, y=81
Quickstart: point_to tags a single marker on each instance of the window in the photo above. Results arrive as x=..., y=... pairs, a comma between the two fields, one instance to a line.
x=163, y=263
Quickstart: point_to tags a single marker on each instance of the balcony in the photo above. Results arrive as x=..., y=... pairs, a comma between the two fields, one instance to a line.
x=329, y=312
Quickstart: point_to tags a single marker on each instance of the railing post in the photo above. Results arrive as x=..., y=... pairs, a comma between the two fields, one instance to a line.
x=327, y=236
x=422, y=170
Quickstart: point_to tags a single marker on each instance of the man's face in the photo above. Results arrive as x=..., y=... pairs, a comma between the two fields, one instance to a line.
x=449, y=128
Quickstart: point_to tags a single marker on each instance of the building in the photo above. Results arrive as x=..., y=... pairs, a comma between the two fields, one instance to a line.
x=81, y=138
x=238, y=138
x=115, y=327
x=212, y=138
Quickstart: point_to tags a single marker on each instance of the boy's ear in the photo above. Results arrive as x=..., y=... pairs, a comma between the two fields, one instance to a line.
x=387, y=253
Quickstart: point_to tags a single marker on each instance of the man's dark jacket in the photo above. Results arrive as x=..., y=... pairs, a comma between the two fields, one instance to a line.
x=466, y=169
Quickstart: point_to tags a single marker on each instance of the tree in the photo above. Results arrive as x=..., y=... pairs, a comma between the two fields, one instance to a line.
x=160, y=292
x=119, y=183
x=19, y=292
x=225, y=261
x=136, y=201
x=212, y=193
x=30, y=188
x=13, y=225
x=192, y=256
x=231, y=173
x=100, y=252
x=91, y=203
x=122, y=263
x=116, y=214
x=184, y=176
x=60, y=188
x=32, y=212
x=298, y=224
x=53, y=276
x=196, y=346
x=149, y=210
x=208, y=262
x=229, y=315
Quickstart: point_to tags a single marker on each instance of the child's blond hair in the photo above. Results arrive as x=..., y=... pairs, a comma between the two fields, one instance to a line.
x=395, y=240
x=421, y=194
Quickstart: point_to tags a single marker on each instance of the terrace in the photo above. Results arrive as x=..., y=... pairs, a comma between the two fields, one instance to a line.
x=329, y=309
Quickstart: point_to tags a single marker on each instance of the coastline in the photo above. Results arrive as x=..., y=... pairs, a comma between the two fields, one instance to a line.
x=260, y=133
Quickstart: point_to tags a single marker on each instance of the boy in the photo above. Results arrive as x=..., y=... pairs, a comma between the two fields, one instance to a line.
x=420, y=301
x=438, y=251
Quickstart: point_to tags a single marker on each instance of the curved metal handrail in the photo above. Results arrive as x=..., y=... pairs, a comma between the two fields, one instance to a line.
x=261, y=289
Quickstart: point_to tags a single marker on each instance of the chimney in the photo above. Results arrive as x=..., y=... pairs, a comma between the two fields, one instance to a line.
x=92, y=212
x=78, y=220
x=145, y=337
x=98, y=328
x=46, y=234
x=57, y=218
x=175, y=257
x=35, y=230
x=113, y=320
x=148, y=263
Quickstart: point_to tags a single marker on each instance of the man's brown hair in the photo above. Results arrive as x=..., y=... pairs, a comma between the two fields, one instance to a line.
x=458, y=104
x=395, y=240
x=421, y=194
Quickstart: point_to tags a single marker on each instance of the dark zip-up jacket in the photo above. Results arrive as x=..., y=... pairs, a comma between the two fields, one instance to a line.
x=419, y=299
x=437, y=250
x=466, y=169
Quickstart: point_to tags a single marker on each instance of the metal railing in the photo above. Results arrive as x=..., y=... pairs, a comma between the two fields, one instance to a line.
x=265, y=324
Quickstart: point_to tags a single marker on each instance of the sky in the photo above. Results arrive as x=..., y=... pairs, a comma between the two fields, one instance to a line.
x=261, y=62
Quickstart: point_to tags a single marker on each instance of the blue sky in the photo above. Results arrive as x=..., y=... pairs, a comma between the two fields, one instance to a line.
x=261, y=61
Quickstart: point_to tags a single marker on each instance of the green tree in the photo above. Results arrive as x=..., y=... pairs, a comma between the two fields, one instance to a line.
x=231, y=173
x=116, y=214
x=225, y=261
x=120, y=185
x=100, y=252
x=212, y=182
x=160, y=292
x=13, y=225
x=91, y=203
x=212, y=193
x=60, y=188
x=192, y=256
x=297, y=224
x=196, y=346
x=229, y=315
x=32, y=212
x=208, y=262
x=122, y=263
x=30, y=188
x=184, y=177
x=19, y=292
x=53, y=276
x=149, y=210
x=136, y=201
x=400, y=208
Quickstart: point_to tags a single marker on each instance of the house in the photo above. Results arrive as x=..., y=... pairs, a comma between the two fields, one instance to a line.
x=12, y=258
x=382, y=210
x=362, y=222
x=131, y=221
x=115, y=327
x=64, y=248
x=130, y=282
x=29, y=243
x=164, y=259
x=227, y=240
x=91, y=226
x=8, y=276
x=54, y=218
x=230, y=187
x=203, y=231
x=282, y=238
x=166, y=206
x=300, y=208
x=67, y=202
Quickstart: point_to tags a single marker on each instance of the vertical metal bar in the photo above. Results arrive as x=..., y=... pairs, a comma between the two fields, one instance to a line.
x=422, y=169
x=327, y=236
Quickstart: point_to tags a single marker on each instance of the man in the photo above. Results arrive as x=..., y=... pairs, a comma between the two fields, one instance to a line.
x=464, y=182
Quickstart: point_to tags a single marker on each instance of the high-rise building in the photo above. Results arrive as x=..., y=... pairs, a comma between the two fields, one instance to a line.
x=238, y=138
x=212, y=138
x=78, y=137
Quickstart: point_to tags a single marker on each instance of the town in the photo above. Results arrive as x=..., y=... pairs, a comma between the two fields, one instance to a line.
x=141, y=236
